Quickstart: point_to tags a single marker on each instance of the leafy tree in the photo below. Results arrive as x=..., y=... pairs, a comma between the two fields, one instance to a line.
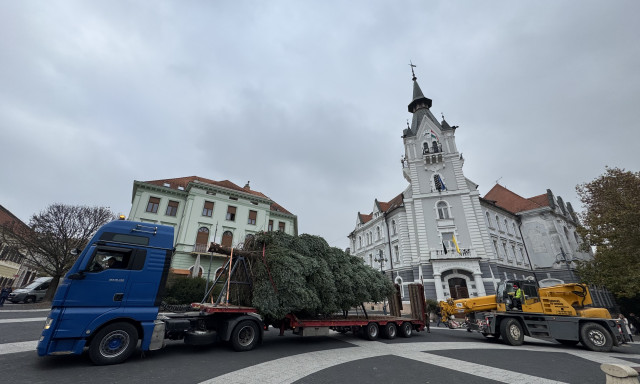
x=51, y=236
x=611, y=224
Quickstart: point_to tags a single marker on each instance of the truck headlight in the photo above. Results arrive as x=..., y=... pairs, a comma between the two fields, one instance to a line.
x=48, y=322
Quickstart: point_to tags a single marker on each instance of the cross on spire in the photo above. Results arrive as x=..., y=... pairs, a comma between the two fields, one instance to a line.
x=412, y=73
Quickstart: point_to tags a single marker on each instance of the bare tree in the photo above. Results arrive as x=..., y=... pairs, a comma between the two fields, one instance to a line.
x=53, y=234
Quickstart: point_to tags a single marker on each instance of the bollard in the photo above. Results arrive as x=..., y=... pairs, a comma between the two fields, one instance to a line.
x=619, y=374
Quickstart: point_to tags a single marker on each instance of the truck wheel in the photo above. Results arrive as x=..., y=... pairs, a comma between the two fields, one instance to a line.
x=371, y=331
x=511, y=331
x=390, y=331
x=406, y=328
x=113, y=344
x=245, y=336
x=595, y=337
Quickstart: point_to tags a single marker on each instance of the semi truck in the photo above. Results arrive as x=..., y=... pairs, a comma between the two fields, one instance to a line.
x=110, y=300
x=560, y=312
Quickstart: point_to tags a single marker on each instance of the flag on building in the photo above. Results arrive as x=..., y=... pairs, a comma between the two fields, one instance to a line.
x=456, y=244
x=444, y=247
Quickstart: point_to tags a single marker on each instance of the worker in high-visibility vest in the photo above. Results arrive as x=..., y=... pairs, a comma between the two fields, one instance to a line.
x=517, y=297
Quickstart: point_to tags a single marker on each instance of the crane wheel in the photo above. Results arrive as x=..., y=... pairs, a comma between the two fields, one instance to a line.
x=595, y=337
x=511, y=331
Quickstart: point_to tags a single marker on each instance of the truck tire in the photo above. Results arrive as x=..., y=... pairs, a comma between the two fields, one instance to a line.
x=511, y=331
x=390, y=331
x=245, y=336
x=595, y=337
x=371, y=331
x=113, y=344
x=406, y=329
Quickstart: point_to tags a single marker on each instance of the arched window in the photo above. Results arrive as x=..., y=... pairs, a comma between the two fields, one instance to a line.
x=498, y=223
x=506, y=227
x=396, y=253
x=514, y=228
x=227, y=239
x=360, y=241
x=394, y=228
x=202, y=239
x=371, y=260
x=488, y=219
x=200, y=270
x=438, y=183
x=425, y=148
x=443, y=210
x=378, y=233
x=434, y=147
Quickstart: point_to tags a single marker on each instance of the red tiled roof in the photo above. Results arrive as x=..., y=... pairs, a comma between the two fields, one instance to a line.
x=365, y=218
x=184, y=182
x=385, y=207
x=7, y=217
x=513, y=202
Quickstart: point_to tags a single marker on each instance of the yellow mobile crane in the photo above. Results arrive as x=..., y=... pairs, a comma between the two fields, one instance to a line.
x=559, y=312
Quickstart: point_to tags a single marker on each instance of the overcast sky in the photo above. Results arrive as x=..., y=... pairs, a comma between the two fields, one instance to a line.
x=307, y=100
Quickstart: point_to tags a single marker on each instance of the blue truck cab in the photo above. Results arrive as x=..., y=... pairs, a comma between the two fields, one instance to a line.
x=109, y=299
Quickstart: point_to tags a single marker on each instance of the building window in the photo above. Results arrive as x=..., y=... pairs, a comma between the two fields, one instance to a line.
x=439, y=183
x=443, y=210
x=495, y=247
x=514, y=228
x=252, y=217
x=394, y=228
x=506, y=226
x=504, y=248
x=231, y=213
x=396, y=252
x=498, y=223
x=227, y=239
x=488, y=219
x=202, y=239
x=208, y=209
x=153, y=205
x=513, y=251
x=360, y=241
x=172, y=208
x=447, y=239
x=270, y=227
x=280, y=226
x=378, y=233
x=371, y=260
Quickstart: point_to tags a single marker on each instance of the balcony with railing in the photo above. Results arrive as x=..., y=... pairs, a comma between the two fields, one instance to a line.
x=201, y=248
x=465, y=253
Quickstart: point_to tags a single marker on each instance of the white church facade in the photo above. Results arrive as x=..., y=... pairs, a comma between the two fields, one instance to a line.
x=439, y=231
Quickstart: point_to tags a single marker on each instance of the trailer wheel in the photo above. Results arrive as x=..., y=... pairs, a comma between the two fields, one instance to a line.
x=113, y=344
x=511, y=331
x=406, y=328
x=371, y=331
x=390, y=331
x=595, y=337
x=245, y=336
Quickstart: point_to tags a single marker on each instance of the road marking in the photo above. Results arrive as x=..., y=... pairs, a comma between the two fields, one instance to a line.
x=292, y=368
x=23, y=320
x=23, y=346
x=23, y=310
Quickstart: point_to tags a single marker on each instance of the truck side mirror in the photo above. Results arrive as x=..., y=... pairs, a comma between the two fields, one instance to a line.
x=76, y=276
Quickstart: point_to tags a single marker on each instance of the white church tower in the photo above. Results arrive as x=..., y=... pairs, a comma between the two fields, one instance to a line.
x=446, y=241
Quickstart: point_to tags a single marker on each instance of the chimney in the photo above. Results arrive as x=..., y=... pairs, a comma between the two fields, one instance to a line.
x=247, y=187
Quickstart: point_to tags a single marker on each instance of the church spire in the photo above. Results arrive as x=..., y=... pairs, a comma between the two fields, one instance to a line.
x=419, y=106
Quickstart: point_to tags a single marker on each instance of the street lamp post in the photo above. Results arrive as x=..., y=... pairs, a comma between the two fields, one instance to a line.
x=381, y=259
